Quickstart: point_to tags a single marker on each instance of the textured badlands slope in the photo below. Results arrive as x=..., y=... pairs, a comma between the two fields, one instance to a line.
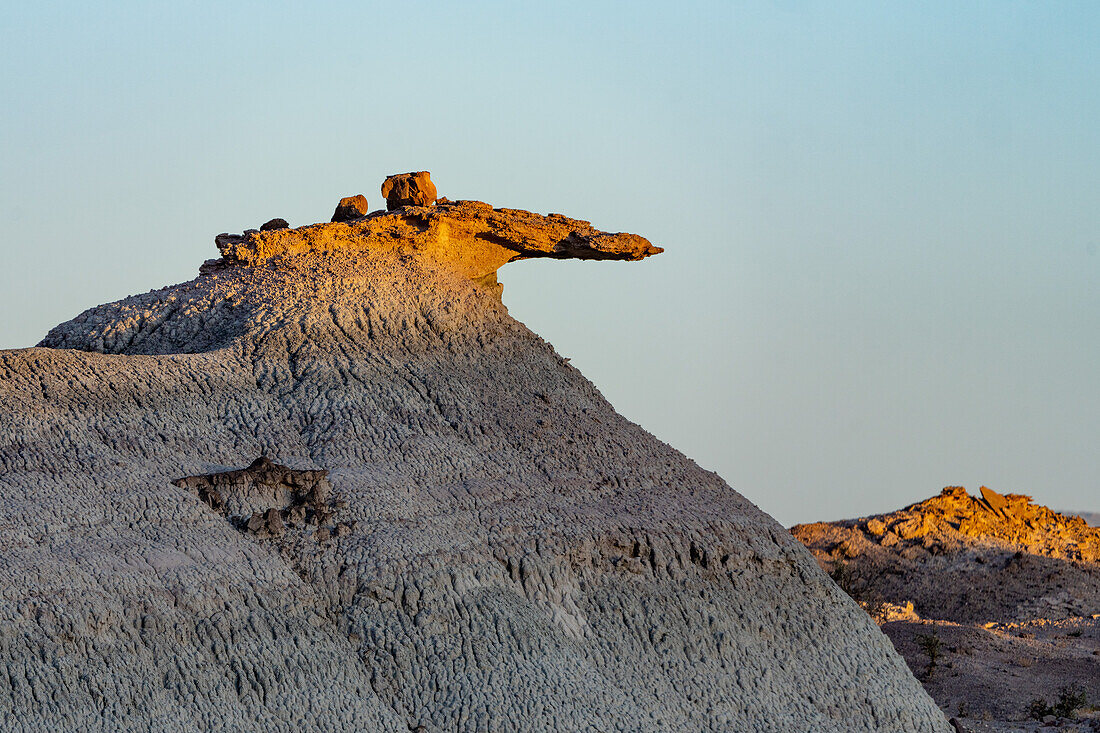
x=500, y=551
x=1011, y=588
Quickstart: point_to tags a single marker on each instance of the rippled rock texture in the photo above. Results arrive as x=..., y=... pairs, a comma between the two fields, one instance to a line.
x=494, y=547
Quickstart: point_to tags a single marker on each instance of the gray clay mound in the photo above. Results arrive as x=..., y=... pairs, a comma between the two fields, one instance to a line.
x=450, y=528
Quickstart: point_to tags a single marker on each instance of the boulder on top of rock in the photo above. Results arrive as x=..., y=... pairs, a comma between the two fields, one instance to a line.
x=351, y=207
x=267, y=226
x=408, y=189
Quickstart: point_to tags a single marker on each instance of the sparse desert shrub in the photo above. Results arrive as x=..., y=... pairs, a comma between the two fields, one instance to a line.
x=875, y=608
x=1038, y=709
x=932, y=646
x=1070, y=698
x=870, y=600
x=844, y=576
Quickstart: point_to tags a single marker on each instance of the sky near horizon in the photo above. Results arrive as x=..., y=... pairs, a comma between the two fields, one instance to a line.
x=881, y=220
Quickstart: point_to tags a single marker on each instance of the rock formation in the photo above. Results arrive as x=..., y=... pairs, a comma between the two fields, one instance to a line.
x=267, y=226
x=408, y=189
x=1012, y=589
x=449, y=528
x=966, y=559
x=263, y=491
x=351, y=207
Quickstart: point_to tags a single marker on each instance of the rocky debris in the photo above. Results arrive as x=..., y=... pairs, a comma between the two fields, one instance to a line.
x=987, y=572
x=265, y=497
x=271, y=224
x=1093, y=518
x=408, y=189
x=507, y=538
x=269, y=522
x=351, y=208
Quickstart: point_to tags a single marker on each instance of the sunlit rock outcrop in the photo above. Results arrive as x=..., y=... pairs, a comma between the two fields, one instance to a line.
x=959, y=557
x=1009, y=588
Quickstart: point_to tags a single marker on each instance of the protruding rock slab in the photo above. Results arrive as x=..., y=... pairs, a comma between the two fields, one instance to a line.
x=993, y=500
x=409, y=189
x=471, y=236
x=351, y=207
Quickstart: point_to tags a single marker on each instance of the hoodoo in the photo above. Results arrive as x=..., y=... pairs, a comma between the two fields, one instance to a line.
x=449, y=528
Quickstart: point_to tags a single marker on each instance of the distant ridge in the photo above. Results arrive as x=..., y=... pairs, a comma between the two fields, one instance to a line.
x=946, y=554
x=1009, y=588
x=1093, y=518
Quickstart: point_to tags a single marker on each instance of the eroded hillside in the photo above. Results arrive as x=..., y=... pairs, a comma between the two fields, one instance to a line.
x=1009, y=589
x=447, y=528
x=964, y=558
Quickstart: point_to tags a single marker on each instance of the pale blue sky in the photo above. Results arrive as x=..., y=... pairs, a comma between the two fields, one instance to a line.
x=882, y=220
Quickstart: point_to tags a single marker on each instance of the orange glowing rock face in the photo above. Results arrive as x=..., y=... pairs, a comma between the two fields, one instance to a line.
x=469, y=236
x=409, y=189
x=954, y=519
x=351, y=207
